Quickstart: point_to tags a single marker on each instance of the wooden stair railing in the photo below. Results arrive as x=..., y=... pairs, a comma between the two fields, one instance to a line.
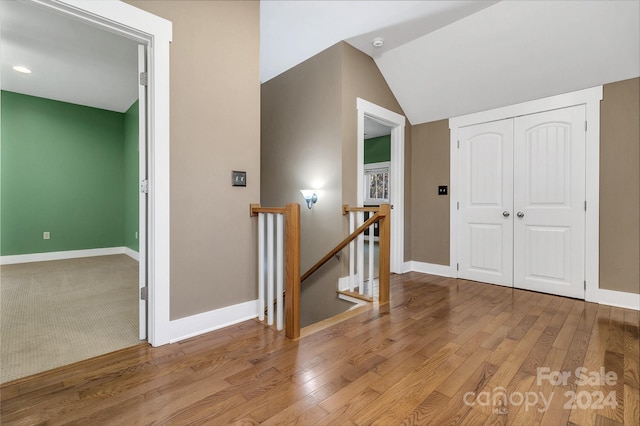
x=291, y=214
x=293, y=280
x=383, y=215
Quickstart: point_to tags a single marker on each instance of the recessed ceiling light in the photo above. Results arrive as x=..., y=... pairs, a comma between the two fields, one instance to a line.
x=378, y=42
x=23, y=70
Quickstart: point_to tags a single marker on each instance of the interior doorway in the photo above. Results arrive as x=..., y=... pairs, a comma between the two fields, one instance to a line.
x=102, y=266
x=395, y=123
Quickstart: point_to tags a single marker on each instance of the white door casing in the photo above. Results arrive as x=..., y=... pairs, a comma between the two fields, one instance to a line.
x=557, y=259
x=549, y=202
x=142, y=196
x=396, y=123
x=590, y=98
x=486, y=202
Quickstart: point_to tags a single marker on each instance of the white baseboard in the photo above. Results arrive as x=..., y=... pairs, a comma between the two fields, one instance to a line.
x=602, y=296
x=205, y=322
x=427, y=268
x=618, y=299
x=61, y=255
x=132, y=253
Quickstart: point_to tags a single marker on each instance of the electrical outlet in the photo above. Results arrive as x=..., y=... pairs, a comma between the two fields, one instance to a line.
x=442, y=190
x=46, y=235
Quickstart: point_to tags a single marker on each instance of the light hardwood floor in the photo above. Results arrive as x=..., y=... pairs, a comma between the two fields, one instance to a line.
x=442, y=352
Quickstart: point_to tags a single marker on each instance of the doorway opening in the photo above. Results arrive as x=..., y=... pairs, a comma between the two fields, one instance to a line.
x=382, y=118
x=102, y=257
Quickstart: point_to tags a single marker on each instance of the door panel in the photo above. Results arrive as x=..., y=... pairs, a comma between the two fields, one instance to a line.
x=486, y=191
x=549, y=194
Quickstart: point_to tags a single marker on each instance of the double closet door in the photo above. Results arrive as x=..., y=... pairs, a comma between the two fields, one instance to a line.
x=522, y=202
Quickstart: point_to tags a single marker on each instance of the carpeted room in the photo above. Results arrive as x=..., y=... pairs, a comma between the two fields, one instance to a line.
x=70, y=171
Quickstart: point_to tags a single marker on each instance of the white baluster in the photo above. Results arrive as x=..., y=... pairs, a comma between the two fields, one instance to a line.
x=360, y=255
x=352, y=252
x=279, y=274
x=270, y=269
x=371, y=252
x=261, y=266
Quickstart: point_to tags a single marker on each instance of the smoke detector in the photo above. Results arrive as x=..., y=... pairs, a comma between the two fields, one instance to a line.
x=378, y=42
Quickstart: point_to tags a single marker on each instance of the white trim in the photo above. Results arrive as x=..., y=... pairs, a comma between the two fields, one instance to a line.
x=591, y=99
x=356, y=302
x=397, y=123
x=205, y=322
x=619, y=299
x=579, y=97
x=381, y=167
x=343, y=282
x=132, y=253
x=143, y=123
x=61, y=255
x=128, y=21
x=377, y=166
x=428, y=268
x=453, y=201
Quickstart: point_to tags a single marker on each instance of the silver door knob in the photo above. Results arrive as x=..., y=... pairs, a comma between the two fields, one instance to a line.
x=506, y=213
x=520, y=214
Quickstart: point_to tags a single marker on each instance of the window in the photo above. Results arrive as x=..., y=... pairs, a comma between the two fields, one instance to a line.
x=376, y=182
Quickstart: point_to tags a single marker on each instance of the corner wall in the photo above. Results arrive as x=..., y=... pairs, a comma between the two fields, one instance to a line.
x=620, y=186
x=62, y=172
x=215, y=128
x=302, y=149
x=430, y=217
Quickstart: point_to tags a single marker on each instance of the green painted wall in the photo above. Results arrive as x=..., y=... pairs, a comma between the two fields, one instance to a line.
x=62, y=171
x=377, y=150
x=131, y=189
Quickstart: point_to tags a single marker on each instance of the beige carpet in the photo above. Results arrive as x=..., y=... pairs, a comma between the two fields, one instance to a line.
x=59, y=312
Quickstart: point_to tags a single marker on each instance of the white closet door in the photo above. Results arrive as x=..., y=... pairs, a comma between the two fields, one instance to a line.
x=486, y=200
x=549, y=184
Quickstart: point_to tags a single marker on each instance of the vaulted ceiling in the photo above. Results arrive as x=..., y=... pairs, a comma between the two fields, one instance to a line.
x=443, y=59
x=440, y=58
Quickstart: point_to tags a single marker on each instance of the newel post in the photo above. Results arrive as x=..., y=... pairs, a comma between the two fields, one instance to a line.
x=292, y=271
x=385, y=253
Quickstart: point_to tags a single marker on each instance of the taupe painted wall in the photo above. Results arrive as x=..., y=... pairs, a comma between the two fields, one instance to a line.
x=430, y=218
x=309, y=126
x=362, y=79
x=215, y=128
x=619, y=189
x=620, y=186
x=302, y=149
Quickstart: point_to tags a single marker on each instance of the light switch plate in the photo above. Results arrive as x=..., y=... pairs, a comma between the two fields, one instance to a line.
x=238, y=178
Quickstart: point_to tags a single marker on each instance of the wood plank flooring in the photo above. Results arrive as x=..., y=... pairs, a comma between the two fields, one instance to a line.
x=443, y=352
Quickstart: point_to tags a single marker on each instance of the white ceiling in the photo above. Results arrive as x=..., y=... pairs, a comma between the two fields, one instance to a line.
x=70, y=61
x=441, y=58
x=512, y=52
x=374, y=129
x=293, y=31
x=444, y=59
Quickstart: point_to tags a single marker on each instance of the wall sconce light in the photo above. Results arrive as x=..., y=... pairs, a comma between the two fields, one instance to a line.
x=309, y=196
